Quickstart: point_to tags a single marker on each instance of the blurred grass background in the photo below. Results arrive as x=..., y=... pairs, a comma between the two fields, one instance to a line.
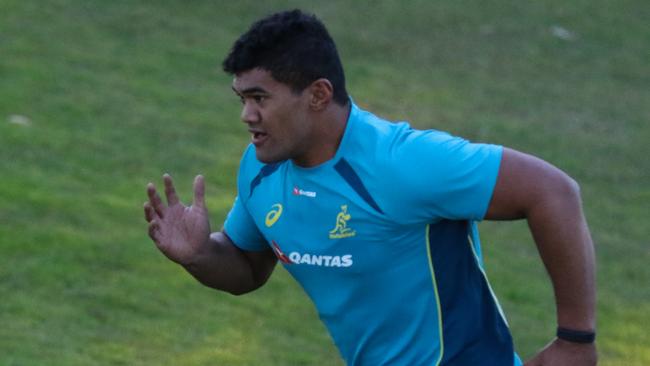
x=98, y=98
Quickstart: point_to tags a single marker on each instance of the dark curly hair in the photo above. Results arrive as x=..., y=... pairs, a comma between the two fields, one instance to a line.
x=294, y=47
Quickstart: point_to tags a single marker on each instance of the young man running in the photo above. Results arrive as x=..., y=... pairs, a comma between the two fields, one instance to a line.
x=376, y=220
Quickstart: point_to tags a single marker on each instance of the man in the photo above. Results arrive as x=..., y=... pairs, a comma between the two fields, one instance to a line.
x=376, y=221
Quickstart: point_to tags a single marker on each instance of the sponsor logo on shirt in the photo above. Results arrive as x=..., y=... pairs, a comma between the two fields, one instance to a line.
x=273, y=215
x=321, y=260
x=278, y=253
x=299, y=192
x=341, y=230
x=312, y=259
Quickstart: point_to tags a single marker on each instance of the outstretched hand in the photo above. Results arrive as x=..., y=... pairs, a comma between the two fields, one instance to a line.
x=563, y=353
x=180, y=232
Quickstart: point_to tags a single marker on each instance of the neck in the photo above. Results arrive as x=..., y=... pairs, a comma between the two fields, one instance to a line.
x=329, y=128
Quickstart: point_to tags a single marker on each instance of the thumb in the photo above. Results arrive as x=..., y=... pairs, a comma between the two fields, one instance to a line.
x=199, y=192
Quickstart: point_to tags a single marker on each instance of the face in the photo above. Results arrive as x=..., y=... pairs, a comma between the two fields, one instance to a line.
x=277, y=117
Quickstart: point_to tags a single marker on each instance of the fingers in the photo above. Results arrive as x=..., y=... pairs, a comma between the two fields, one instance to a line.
x=154, y=232
x=172, y=198
x=152, y=218
x=199, y=192
x=155, y=201
x=170, y=191
x=149, y=213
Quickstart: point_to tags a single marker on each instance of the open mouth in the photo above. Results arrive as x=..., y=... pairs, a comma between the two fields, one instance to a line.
x=258, y=138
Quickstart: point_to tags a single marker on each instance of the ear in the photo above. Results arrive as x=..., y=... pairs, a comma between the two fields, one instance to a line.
x=321, y=92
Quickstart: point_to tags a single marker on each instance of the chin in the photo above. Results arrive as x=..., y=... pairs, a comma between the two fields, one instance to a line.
x=267, y=158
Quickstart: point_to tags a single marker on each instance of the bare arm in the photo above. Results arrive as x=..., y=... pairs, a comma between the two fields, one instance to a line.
x=530, y=188
x=182, y=233
x=225, y=267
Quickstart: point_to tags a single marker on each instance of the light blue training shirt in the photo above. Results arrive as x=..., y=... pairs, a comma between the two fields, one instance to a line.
x=383, y=239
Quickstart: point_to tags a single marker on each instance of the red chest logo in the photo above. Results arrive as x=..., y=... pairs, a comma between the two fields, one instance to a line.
x=278, y=253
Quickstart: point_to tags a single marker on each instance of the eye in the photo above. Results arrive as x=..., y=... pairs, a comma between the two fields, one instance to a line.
x=241, y=100
x=259, y=98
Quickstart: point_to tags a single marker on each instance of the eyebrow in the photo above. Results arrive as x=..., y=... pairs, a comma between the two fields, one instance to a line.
x=251, y=90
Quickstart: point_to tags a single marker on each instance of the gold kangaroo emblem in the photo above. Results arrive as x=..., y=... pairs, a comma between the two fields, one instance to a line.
x=341, y=230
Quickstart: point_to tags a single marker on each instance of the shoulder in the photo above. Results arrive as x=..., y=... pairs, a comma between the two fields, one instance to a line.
x=396, y=147
x=373, y=137
x=420, y=173
x=393, y=141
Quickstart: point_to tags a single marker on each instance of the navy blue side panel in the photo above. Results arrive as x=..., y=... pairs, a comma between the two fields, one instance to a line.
x=474, y=333
x=264, y=172
x=350, y=176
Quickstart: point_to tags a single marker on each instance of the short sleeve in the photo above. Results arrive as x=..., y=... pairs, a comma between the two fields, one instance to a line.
x=241, y=229
x=445, y=177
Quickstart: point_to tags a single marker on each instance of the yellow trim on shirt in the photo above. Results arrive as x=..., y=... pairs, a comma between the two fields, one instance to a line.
x=435, y=289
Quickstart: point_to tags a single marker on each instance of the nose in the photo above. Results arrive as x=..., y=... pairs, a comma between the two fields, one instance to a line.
x=249, y=114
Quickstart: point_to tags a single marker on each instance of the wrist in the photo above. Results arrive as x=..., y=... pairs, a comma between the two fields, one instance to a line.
x=576, y=335
x=198, y=256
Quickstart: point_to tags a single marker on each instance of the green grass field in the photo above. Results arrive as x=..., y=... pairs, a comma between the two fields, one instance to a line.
x=114, y=94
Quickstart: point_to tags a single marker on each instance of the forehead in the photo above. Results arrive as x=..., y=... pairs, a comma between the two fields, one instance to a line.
x=257, y=80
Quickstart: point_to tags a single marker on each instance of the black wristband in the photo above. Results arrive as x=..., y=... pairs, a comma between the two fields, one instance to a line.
x=575, y=336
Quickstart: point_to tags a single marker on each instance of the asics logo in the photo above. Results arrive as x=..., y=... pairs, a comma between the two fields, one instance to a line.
x=273, y=215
